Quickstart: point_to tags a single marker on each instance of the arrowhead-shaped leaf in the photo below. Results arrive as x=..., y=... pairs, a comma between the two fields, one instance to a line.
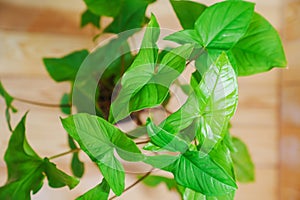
x=130, y=16
x=144, y=85
x=192, y=195
x=222, y=25
x=202, y=174
x=104, y=7
x=99, y=139
x=187, y=12
x=65, y=68
x=100, y=192
x=259, y=50
x=243, y=164
x=90, y=18
x=26, y=169
x=210, y=107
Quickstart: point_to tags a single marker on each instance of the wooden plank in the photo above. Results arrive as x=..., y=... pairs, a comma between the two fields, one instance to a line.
x=41, y=20
x=262, y=143
x=22, y=53
x=292, y=18
x=290, y=76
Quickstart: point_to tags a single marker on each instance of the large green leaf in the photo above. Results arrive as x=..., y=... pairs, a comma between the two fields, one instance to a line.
x=99, y=139
x=192, y=195
x=222, y=25
x=144, y=85
x=210, y=107
x=130, y=16
x=100, y=192
x=243, y=164
x=202, y=174
x=9, y=107
x=26, y=170
x=259, y=50
x=104, y=7
x=65, y=68
x=90, y=18
x=187, y=12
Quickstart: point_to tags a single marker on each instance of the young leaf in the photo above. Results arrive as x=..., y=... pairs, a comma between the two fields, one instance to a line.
x=211, y=105
x=187, y=12
x=243, y=163
x=9, y=107
x=100, y=192
x=130, y=16
x=98, y=139
x=56, y=177
x=25, y=167
x=65, y=68
x=259, y=50
x=104, y=7
x=90, y=18
x=223, y=24
x=201, y=174
x=144, y=85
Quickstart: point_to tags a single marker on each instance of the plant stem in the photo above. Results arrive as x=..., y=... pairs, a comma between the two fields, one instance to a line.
x=135, y=183
x=142, y=142
x=43, y=104
x=64, y=153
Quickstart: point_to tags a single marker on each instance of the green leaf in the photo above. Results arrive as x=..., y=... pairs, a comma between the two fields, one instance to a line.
x=153, y=181
x=259, y=50
x=77, y=165
x=210, y=107
x=165, y=140
x=104, y=7
x=187, y=12
x=100, y=192
x=65, y=68
x=90, y=18
x=192, y=195
x=57, y=178
x=200, y=173
x=151, y=87
x=130, y=16
x=24, y=167
x=243, y=164
x=9, y=107
x=223, y=24
x=98, y=139
x=65, y=100
x=184, y=37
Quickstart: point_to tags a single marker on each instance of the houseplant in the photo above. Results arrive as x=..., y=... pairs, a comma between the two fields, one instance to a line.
x=224, y=41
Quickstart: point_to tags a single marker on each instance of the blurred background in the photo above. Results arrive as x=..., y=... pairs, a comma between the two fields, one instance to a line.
x=267, y=119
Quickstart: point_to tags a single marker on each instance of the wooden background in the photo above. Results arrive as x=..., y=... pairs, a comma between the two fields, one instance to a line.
x=268, y=116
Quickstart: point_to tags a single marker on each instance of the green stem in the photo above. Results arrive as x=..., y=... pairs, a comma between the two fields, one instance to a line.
x=64, y=153
x=43, y=104
x=135, y=183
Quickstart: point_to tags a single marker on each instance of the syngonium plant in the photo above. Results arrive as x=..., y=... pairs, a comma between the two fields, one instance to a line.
x=113, y=84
